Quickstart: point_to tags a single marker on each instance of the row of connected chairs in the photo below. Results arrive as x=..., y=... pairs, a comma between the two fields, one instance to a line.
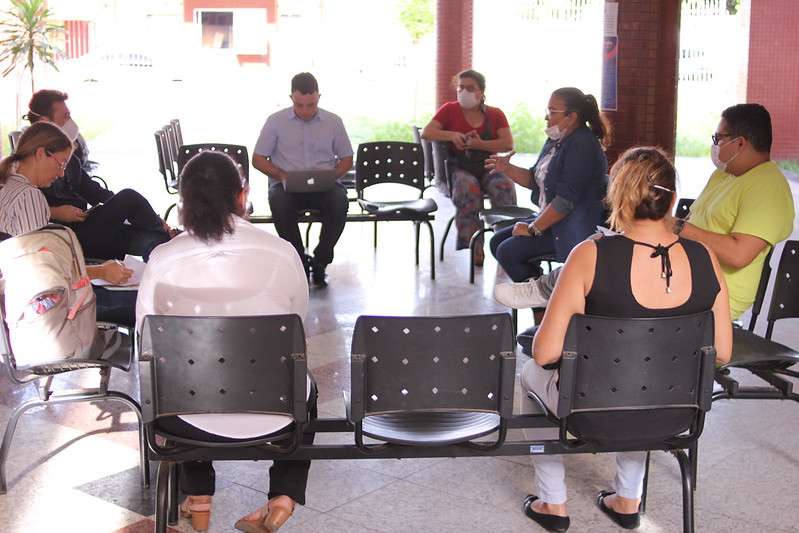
x=377, y=164
x=168, y=140
x=421, y=387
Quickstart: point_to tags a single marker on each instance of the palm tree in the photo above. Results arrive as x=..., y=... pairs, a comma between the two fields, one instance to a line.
x=29, y=35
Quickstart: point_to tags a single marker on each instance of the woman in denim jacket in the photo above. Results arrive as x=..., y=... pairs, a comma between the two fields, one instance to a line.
x=568, y=183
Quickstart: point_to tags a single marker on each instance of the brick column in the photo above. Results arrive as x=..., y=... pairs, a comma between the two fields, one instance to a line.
x=649, y=46
x=773, y=72
x=454, y=45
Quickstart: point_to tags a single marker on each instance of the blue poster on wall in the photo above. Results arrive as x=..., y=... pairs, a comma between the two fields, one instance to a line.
x=610, y=64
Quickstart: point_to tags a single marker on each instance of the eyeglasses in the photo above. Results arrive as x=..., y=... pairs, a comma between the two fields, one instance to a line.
x=549, y=112
x=467, y=88
x=63, y=164
x=717, y=137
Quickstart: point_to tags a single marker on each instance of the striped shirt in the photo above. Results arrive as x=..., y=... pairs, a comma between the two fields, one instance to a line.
x=23, y=207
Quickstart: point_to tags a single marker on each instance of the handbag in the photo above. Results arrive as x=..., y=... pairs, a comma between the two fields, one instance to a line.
x=472, y=160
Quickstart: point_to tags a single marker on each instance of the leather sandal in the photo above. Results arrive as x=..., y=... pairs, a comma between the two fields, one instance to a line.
x=270, y=518
x=198, y=508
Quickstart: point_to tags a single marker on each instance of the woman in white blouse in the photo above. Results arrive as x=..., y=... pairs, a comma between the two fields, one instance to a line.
x=223, y=265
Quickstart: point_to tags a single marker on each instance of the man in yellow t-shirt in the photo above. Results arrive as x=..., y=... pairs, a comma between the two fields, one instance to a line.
x=746, y=207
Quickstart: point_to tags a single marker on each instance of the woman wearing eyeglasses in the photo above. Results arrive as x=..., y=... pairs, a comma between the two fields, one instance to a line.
x=39, y=159
x=41, y=155
x=568, y=183
x=473, y=132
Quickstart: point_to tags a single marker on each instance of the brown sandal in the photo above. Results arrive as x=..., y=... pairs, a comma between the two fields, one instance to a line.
x=198, y=508
x=270, y=518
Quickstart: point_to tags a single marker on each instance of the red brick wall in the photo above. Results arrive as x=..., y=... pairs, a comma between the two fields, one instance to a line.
x=649, y=45
x=454, y=36
x=773, y=76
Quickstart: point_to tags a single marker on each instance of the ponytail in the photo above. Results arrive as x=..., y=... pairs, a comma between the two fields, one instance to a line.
x=587, y=108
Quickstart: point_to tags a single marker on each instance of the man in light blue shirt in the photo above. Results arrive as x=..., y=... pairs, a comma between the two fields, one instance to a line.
x=304, y=137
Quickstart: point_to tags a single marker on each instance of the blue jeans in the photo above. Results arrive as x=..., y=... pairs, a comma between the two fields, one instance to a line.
x=332, y=206
x=514, y=253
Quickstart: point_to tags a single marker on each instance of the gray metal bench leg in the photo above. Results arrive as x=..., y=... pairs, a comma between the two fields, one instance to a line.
x=444, y=238
x=162, y=497
x=432, y=250
x=687, y=490
x=642, y=507
x=475, y=238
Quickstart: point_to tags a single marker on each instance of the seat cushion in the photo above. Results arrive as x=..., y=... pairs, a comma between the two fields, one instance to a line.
x=422, y=206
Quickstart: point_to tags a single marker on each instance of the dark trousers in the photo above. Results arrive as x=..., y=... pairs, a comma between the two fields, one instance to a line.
x=105, y=235
x=197, y=478
x=118, y=307
x=332, y=206
x=514, y=253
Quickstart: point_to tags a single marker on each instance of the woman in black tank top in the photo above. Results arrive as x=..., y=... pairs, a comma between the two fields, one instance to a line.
x=644, y=271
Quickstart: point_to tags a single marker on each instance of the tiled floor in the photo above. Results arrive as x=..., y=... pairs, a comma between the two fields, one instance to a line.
x=74, y=468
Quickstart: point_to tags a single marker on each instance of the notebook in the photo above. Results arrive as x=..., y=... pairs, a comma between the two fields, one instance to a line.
x=309, y=180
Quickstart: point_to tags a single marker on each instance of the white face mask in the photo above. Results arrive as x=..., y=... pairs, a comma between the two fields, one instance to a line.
x=70, y=129
x=467, y=100
x=555, y=133
x=714, y=156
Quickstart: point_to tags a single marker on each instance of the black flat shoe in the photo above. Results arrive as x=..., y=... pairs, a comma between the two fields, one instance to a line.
x=625, y=520
x=550, y=522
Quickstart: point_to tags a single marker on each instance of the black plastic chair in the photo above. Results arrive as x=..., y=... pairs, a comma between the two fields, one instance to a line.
x=13, y=138
x=427, y=150
x=42, y=374
x=238, y=152
x=201, y=365
x=432, y=380
x=402, y=163
x=683, y=207
x=165, y=166
x=493, y=219
x=767, y=359
x=618, y=375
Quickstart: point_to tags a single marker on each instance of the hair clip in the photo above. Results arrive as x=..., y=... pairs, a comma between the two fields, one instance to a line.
x=655, y=185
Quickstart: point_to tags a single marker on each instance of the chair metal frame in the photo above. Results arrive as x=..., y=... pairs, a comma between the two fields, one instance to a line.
x=41, y=375
x=201, y=365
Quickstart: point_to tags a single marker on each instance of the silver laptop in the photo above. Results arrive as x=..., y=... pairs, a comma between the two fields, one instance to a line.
x=310, y=180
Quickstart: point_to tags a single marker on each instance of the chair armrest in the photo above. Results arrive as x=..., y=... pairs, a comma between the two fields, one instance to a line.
x=568, y=366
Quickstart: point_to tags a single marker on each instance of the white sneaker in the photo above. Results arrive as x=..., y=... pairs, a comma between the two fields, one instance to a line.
x=520, y=295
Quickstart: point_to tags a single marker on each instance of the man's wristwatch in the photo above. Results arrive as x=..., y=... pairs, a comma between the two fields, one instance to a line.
x=533, y=230
x=678, y=226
